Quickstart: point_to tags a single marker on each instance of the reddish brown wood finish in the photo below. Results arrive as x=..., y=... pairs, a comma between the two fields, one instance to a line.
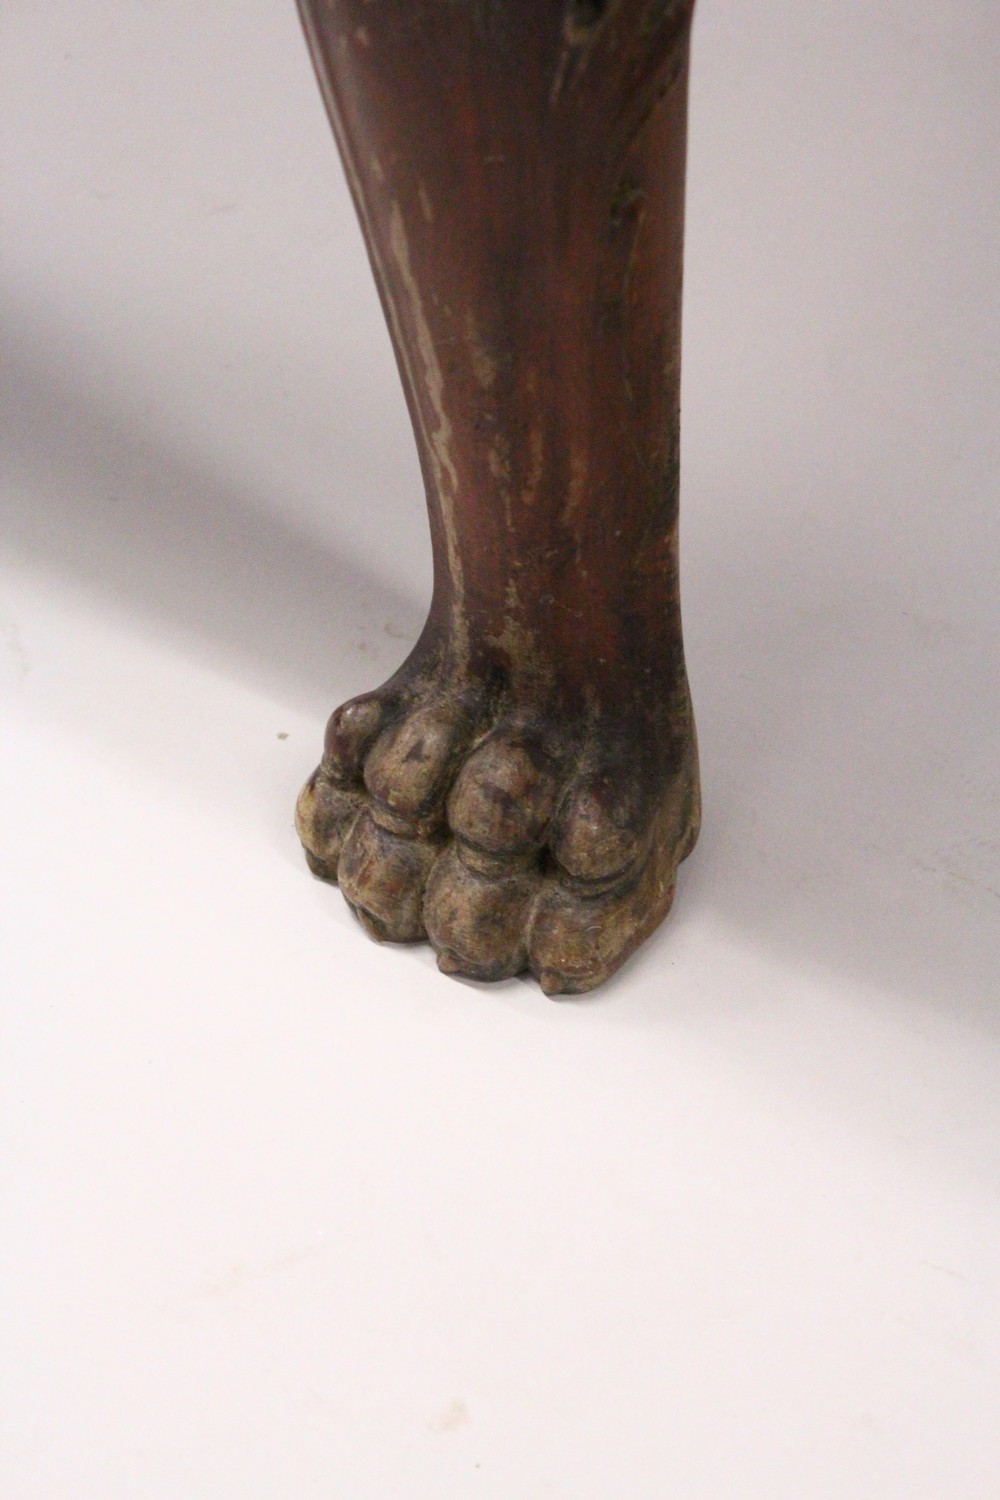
x=529, y=776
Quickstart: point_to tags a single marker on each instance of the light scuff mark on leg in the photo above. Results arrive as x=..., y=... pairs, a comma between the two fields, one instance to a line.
x=498, y=460
x=519, y=644
x=484, y=363
x=576, y=493
x=536, y=465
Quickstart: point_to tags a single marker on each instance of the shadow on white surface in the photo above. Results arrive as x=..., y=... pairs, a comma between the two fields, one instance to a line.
x=191, y=555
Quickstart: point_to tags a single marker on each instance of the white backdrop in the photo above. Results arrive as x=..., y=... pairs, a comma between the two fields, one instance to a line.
x=289, y=1215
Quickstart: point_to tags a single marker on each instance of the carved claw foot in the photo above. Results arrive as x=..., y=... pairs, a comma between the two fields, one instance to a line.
x=510, y=839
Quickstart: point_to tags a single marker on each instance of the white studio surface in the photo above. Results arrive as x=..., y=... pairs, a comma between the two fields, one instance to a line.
x=288, y=1216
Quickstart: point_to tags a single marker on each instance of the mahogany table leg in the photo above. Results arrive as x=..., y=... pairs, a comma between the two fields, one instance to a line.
x=522, y=790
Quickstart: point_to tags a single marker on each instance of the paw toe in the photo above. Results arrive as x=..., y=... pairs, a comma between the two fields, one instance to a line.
x=410, y=764
x=383, y=876
x=477, y=918
x=602, y=829
x=578, y=941
x=505, y=795
x=324, y=816
x=351, y=732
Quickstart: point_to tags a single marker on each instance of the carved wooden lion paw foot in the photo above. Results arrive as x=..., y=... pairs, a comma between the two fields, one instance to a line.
x=522, y=791
x=510, y=839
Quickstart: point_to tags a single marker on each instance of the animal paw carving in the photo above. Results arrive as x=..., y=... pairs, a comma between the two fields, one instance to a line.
x=512, y=841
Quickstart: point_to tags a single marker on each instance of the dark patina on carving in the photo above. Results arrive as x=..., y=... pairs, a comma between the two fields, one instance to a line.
x=522, y=791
